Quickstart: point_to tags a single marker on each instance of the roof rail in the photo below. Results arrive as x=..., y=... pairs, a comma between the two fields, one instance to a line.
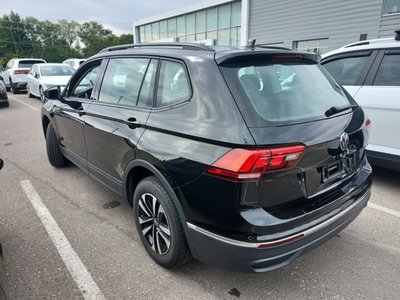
x=357, y=44
x=183, y=46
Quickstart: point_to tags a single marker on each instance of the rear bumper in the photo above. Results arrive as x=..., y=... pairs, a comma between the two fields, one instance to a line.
x=19, y=85
x=269, y=254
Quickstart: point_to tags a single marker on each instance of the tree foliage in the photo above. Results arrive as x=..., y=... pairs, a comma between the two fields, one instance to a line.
x=54, y=42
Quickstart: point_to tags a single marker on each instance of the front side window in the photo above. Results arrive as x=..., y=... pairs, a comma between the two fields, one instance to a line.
x=84, y=85
x=348, y=70
x=173, y=85
x=389, y=71
x=282, y=92
x=391, y=7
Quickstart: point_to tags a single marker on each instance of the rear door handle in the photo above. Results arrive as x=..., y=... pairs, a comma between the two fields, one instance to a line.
x=132, y=123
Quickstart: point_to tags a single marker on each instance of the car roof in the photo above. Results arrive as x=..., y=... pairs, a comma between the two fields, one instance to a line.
x=52, y=64
x=189, y=50
x=22, y=59
x=366, y=45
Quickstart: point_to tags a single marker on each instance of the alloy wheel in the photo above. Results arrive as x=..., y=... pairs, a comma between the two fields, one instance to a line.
x=154, y=224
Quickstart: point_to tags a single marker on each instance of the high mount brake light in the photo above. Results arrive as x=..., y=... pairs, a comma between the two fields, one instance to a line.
x=287, y=56
x=245, y=165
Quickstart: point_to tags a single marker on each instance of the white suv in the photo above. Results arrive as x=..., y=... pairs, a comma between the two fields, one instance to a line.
x=16, y=72
x=370, y=72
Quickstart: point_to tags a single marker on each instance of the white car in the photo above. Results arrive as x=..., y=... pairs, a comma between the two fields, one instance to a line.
x=44, y=76
x=15, y=74
x=74, y=62
x=370, y=72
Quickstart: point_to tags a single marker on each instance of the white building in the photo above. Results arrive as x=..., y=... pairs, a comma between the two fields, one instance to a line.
x=304, y=24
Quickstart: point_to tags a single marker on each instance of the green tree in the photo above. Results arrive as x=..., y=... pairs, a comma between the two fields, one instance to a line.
x=95, y=37
x=54, y=42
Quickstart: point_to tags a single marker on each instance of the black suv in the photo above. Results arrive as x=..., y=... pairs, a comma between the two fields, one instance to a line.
x=244, y=158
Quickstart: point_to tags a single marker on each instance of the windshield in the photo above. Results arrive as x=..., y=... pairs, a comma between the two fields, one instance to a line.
x=282, y=92
x=56, y=70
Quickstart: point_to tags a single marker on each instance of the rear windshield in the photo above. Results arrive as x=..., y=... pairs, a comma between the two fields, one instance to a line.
x=272, y=93
x=29, y=63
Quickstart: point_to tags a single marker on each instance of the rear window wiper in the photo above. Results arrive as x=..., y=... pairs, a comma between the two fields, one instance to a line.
x=337, y=109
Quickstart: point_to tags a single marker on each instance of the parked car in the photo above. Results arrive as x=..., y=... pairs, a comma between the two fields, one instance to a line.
x=218, y=158
x=43, y=76
x=74, y=62
x=16, y=73
x=370, y=72
x=3, y=94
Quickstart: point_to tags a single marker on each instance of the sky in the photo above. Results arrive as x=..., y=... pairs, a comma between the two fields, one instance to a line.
x=117, y=15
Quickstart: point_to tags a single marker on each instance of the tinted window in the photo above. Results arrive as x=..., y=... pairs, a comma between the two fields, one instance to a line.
x=281, y=93
x=389, y=71
x=173, y=85
x=347, y=71
x=123, y=80
x=29, y=63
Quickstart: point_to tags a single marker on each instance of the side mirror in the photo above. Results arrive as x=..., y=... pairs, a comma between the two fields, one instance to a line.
x=36, y=75
x=53, y=93
x=1, y=163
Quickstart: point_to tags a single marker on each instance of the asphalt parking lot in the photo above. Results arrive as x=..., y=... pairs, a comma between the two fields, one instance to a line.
x=91, y=249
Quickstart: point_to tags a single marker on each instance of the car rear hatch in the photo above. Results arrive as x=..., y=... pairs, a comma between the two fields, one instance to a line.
x=310, y=137
x=25, y=65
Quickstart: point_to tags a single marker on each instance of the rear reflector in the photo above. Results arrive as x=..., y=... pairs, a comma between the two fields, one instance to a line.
x=280, y=242
x=16, y=72
x=244, y=164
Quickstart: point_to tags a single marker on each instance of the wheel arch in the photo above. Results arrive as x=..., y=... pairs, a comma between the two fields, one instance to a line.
x=140, y=169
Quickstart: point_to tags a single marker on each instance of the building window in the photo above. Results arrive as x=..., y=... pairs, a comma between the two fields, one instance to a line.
x=217, y=25
x=391, y=7
x=316, y=45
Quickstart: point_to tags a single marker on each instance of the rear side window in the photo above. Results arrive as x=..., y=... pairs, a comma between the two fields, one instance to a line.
x=123, y=81
x=173, y=85
x=29, y=63
x=389, y=71
x=348, y=70
x=274, y=93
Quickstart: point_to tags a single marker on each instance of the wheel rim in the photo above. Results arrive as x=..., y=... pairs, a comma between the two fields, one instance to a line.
x=154, y=224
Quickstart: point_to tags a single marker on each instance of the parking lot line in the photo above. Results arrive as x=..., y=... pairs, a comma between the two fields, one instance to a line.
x=384, y=209
x=75, y=266
x=26, y=104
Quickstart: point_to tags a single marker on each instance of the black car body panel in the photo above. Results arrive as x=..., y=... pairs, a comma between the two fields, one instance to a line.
x=257, y=223
x=3, y=94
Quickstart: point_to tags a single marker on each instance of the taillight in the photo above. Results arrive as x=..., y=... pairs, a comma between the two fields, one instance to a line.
x=16, y=72
x=368, y=126
x=245, y=164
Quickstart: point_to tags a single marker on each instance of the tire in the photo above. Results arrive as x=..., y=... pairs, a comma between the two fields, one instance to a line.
x=14, y=90
x=54, y=154
x=158, y=224
x=29, y=92
x=41, y=92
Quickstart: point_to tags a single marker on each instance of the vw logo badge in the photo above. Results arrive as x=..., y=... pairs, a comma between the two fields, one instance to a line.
x=344, y=141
